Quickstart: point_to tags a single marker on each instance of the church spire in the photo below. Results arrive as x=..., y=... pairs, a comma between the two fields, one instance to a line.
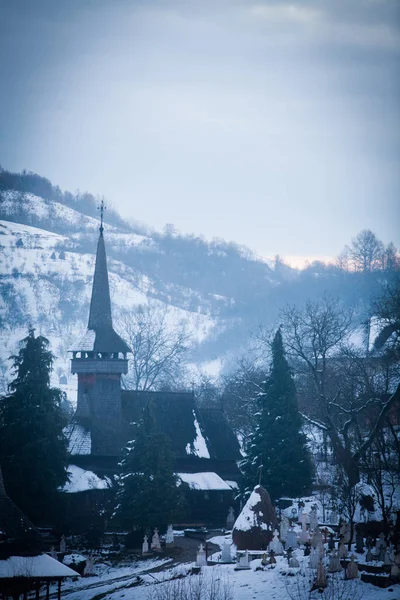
x=100, y=305
x=100, y=319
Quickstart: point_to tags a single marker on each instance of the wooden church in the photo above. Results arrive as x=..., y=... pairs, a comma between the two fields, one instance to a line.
x=206, y=449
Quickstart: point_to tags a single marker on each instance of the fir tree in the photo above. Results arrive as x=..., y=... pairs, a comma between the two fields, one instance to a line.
x=148, y=496
x=33, y=448
x=277, y=453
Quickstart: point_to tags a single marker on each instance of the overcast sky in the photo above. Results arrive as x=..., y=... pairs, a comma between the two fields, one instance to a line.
x=274, y=124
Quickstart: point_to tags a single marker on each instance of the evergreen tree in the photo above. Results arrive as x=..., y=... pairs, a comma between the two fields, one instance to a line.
x=148, y=496
x=33, y=448
x=277, y=446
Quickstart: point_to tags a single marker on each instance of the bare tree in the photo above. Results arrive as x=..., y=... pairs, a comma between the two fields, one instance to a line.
x=240, y=389
x=382, y=465
x=159, y=343
x=349, y=407
x=366, y=252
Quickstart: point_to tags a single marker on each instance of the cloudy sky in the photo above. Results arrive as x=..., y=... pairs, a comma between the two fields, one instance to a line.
x=274, y=124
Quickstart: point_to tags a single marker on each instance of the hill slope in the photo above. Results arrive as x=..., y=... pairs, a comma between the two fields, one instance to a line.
x=48, y=240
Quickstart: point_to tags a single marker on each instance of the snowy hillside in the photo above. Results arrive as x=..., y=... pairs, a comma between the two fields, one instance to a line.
x=224, y=291
x=45, y=282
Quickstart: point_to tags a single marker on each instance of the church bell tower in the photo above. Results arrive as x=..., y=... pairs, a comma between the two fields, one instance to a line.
x=99, y=359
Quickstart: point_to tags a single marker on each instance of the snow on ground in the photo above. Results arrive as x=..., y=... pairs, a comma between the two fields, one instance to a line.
x=274, y=583
x=108, y=579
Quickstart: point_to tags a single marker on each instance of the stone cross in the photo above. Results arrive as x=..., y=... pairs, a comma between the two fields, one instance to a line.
x=201, y=559
x=155, y=541
x=145, y=545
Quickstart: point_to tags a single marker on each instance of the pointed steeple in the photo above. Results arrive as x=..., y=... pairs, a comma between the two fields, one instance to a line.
x=101, y=336
x=100, y=305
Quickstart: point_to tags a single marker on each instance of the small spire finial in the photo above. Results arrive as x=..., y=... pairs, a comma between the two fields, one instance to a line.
x=101, y=208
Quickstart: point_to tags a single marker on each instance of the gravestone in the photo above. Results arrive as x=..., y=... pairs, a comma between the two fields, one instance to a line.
x=314, y=558
x=155, y=541
x=331, y=542
x=63, y=545
x=395, y=568
x=284, y=528
x=244, y=562
x=145, y=545
x=226, y=553
x=89, y=567
x=369, y=543
x=359, y=542
x=294, y=563
x=352, y=569
x=345, y=532
x=316, y=541
x=313, y=519
x=333, y=517
x=201, y=559
x=169, y=537
x=272, y=559
x=342, y=550
x=230, y=519
x=387, y=559
x=381, y=546
x=334, y=563
x=291, y=539
x=321, y=579
x=275, y=545
x=53, y=553
x=303, y=536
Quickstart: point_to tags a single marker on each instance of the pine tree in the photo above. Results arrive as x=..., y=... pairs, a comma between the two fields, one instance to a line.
x=148, y=496
x=278, y=447
x=33, y=449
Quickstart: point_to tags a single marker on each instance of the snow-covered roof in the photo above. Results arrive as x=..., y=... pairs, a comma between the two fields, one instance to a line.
x=79, y=439
x=86, y=342
x=204, y=481
x=199, y=446
x=34, y=566
x=82, y=481
x=232, y=484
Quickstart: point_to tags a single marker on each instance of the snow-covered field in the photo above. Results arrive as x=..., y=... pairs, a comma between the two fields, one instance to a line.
x=274, y=582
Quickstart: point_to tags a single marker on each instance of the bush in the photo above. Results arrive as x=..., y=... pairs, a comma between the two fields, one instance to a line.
x=209, y=585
